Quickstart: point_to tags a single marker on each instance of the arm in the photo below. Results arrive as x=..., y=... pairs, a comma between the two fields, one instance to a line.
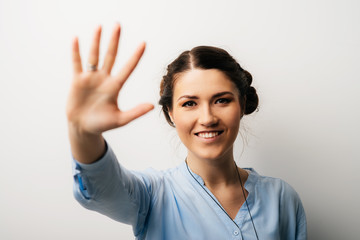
x=92, y=108
x=110, y=189
x=293, y=219
x=301, y=228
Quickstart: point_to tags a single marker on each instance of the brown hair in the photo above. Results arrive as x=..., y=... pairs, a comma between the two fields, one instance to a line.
x=206, y=57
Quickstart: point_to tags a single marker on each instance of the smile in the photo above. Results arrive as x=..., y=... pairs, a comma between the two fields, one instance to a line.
x=207, y=135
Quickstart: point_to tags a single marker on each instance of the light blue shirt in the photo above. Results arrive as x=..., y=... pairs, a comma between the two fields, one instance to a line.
x=172, y=205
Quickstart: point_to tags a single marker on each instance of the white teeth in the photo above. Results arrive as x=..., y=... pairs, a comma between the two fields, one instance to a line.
x=208, y=134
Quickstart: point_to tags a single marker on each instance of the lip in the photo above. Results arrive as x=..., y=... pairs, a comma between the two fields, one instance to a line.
x=209, y=136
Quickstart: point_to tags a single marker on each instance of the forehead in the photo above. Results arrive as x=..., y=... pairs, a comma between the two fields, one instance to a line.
x=203, y=82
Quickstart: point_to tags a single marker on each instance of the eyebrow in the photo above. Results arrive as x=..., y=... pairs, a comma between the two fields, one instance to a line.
x=215, y=96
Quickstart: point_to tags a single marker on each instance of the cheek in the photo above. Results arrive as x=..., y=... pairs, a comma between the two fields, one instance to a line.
x=183, y=124
x=232, y=118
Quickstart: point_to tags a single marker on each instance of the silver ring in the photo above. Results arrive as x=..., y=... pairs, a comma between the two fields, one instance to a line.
x=91, y=67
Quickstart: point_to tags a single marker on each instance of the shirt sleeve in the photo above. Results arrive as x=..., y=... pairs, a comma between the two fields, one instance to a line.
x=110, y=189
x=301, y=228
x=293, y=219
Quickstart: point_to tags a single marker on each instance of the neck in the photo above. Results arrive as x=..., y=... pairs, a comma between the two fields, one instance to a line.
x=215, y=173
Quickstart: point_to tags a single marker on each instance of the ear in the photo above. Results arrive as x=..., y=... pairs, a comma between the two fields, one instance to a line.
x=171, y=116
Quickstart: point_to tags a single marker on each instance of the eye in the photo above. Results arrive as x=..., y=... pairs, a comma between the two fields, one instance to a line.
x=223, y=100
x=189, y=104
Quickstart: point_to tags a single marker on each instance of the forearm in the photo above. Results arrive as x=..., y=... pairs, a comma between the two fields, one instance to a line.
x=86, y=148
x=110, y=189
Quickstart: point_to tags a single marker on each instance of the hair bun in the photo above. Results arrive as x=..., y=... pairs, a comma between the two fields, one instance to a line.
x=247, y=76
x=252, y=100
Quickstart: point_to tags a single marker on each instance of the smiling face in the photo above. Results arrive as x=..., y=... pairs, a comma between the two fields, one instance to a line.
x=206, y=112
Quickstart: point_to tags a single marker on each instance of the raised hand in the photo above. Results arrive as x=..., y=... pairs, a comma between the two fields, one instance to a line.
x=92, y=106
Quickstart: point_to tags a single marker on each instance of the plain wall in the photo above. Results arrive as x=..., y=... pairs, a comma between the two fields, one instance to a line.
x=304, y=58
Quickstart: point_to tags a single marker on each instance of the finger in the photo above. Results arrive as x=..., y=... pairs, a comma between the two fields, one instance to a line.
x=94, y=49
x=76, y=59
x=128, y=116
x=112, y=50
x=130, y=65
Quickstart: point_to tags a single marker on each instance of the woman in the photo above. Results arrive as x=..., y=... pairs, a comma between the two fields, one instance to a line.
x=204, y=95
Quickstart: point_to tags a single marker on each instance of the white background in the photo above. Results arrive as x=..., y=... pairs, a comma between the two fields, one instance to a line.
x=303, y=55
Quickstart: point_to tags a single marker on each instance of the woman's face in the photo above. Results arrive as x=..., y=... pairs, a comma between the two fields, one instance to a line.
x=206, y=112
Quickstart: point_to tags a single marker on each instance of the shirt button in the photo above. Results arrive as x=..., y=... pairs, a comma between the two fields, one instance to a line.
x=236, y=233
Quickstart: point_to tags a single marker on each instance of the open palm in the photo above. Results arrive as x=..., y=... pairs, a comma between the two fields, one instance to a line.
x=93, y=100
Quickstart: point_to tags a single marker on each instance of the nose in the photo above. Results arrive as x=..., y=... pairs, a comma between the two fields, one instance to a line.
x=207, y=117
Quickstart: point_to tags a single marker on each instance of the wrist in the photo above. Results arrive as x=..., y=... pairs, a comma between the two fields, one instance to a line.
x=76, y=130
x=86, y=147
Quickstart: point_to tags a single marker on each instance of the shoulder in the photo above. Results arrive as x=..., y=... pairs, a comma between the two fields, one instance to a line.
x=271, y=184
x=155, y=179
x=278, y=198
x=152, y=174
x=275, y=192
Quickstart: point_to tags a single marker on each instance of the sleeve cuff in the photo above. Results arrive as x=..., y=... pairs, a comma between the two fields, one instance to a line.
x=83, y=173
x=103, y=160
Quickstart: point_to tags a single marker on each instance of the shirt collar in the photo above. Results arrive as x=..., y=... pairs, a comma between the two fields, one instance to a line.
x=249, y=184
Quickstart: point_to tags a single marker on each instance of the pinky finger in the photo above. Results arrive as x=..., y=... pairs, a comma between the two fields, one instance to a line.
x=76, y=59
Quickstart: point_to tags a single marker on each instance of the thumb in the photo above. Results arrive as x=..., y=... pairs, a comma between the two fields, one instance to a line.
x=130, y=115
